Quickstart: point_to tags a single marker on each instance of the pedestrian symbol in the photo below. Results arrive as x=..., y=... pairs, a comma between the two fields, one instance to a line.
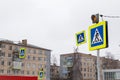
x=97, y=37
x=22, y=53
x=41, y=75
x=80, y=38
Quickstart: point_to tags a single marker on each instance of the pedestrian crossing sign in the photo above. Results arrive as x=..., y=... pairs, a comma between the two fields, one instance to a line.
x=98, y=36
x=41, y=75
x=22, y=53
x=80, y=38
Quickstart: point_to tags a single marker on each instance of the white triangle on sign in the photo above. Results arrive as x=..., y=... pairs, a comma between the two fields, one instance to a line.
x=97, y=38
x=80, y=38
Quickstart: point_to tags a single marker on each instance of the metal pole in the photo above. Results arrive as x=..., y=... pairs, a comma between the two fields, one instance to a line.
x=98, y=65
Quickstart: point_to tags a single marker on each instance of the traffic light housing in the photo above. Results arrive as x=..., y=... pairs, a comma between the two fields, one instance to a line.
x=95, y=18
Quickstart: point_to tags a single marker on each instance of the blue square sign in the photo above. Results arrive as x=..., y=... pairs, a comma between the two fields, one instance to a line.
x=80, y=38
x=98, y=36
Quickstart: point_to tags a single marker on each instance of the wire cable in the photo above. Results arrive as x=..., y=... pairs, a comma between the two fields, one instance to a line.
x=109, y=16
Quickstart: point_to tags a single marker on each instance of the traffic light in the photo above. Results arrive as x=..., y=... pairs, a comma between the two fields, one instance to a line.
x=95, y=18
x=41, y=69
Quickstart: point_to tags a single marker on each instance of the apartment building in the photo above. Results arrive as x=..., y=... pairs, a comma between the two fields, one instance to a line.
x=108, y=63
x=54, y=72
x=111, y=74
x=33, y=59
x=78, y=66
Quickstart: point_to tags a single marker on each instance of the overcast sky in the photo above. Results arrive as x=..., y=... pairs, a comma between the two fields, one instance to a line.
x=52, y=24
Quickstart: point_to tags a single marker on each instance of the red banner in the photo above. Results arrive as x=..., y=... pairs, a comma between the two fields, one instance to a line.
x=18, y=77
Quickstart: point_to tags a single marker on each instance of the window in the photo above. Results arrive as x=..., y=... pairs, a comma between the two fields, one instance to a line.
x=28, y=65
x=87, y=64
x=45, y=73
x=40, y=51
x=2, y=62
x=90, y=75
x=9, y=55
x=10, y=47
x=90, y=70
x=65, y=74
x=91, y=65
x=33, y=66
x=33, y=58
x=84, y=64
x=2, y=53
x=45, y=59
x=80, y=63
x=40, y=58
x=45, y=66
x=15, y=71
x=28, y=57
x=28, y=72
x=2, y=46
x=1, y=71
x=40, y=66
x=84, y=69
x=22, y=72
x=117, y=74
x=8, y=71
x=34, y=52
x=16, y=48
x=9, y=63
x=84, y=75
x=22, y=64
x=33, y=73
x=29, y=50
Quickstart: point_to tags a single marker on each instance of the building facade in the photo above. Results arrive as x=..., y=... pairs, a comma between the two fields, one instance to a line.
x=54, y=72
x=77, y=66
x=108, y=63
x=33, y=59
x=111, y=74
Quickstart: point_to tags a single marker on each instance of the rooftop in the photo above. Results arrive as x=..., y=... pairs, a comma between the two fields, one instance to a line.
x=19, y=43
